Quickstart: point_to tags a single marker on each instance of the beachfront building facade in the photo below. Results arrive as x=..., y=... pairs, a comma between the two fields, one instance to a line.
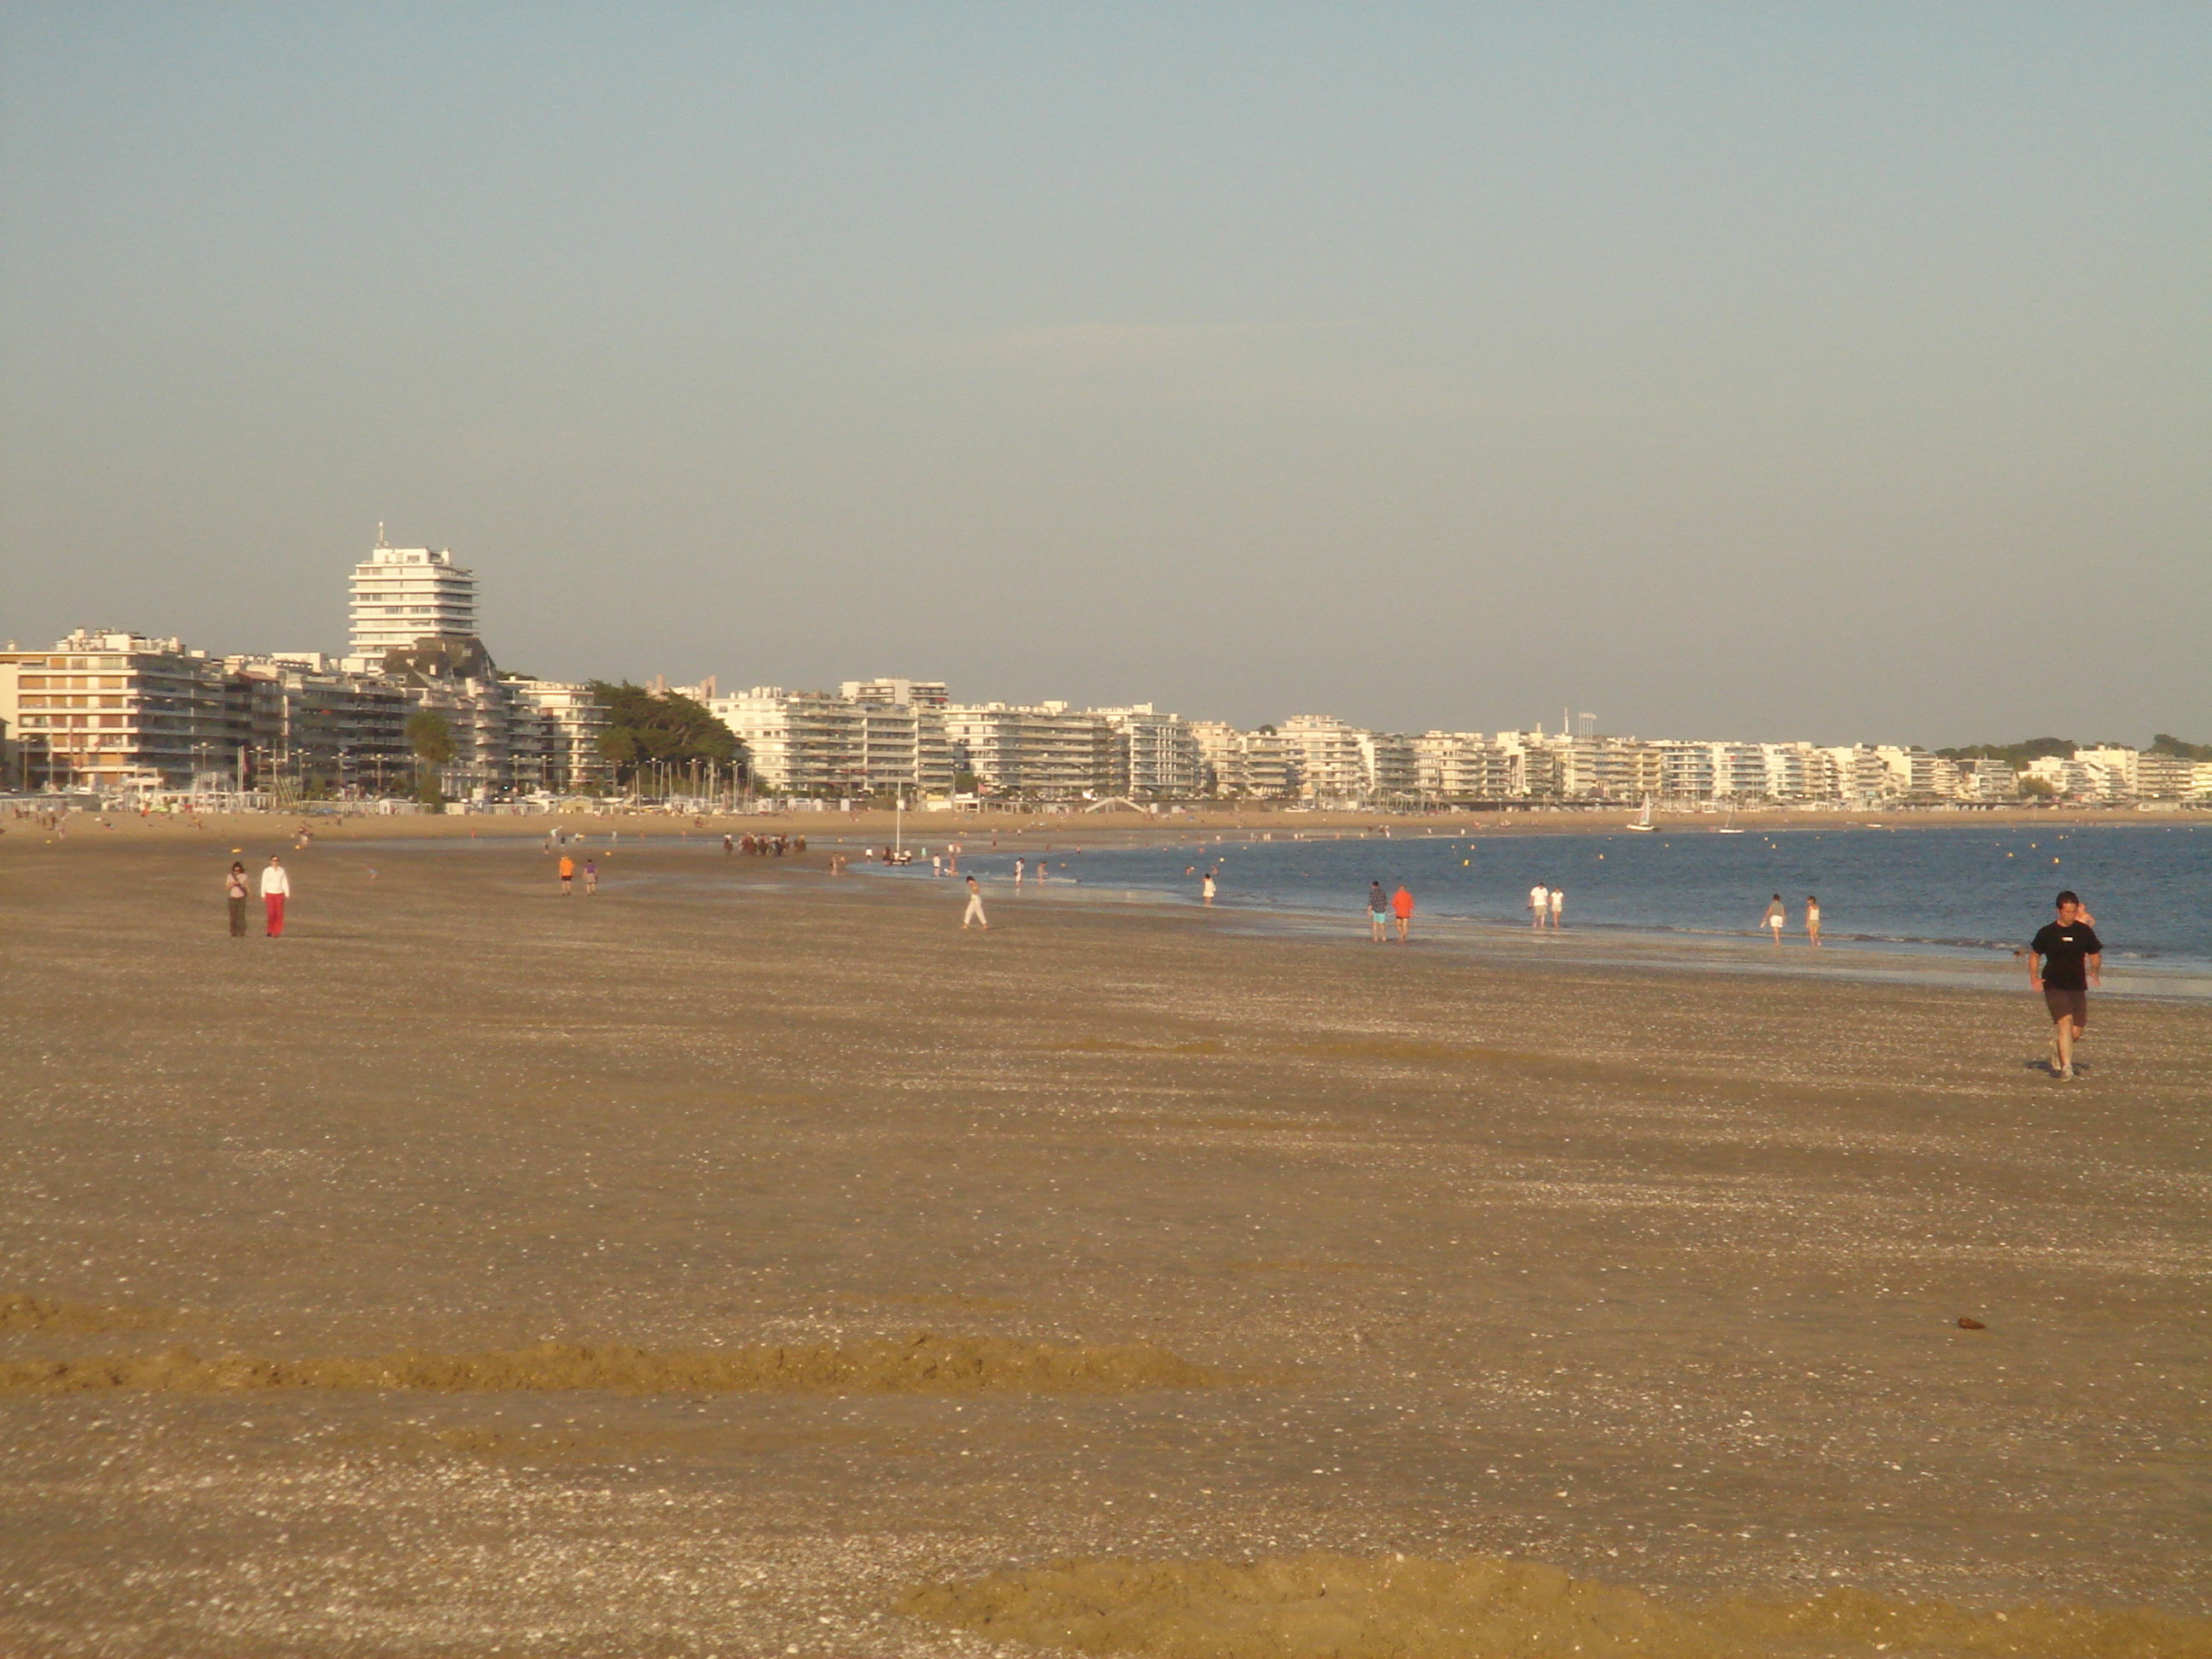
x=1039, y=751
x=1332, y=767
x=1393, y=775
x=116, y=712
x=1156, y=756
x=797, y=742
x=897, y=693
x=403, y=594
x=1461, y=768
x=555, y=729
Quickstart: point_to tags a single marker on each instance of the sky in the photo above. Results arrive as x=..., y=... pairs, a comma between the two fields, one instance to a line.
x=1840, y=372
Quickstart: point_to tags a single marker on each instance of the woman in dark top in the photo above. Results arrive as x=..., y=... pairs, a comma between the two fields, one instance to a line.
x=237, y=890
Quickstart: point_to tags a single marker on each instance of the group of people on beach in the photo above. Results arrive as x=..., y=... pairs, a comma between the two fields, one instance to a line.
x=1778, y=917
x=1547, y=902
x=275, y=888
x=1382, y=909
x=763, y=846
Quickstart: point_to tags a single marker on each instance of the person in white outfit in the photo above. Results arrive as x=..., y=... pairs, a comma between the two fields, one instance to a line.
x=1540, y=904
x=974, y=912
x=275, y=888
x=1558, y=903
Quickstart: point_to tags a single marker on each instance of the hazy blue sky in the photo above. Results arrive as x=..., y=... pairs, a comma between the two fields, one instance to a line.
x=1833, y=371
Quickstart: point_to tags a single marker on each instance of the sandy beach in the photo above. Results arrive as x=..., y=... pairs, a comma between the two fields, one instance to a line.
x=746, y=1261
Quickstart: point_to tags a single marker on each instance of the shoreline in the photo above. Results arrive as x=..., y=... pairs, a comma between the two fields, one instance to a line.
x=1842, y=956
x=874, y=827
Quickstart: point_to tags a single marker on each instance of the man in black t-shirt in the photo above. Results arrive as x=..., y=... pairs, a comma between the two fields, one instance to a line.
x=2065, y=959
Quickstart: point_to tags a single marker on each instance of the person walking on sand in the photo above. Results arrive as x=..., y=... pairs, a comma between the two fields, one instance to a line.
x=567, y=875
x=1775, y=919
x=2065, y=958
x=1205, y=888
x=275, y=888
x=1401, y=906
x=591, y=876
x=1559, y=903
x=1378, y=912
x=1540, y=904
x=1812, y=921
x=974, y=911
x=237, y=890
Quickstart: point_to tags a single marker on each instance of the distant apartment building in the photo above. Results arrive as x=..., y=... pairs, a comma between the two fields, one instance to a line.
x=797, y=742
x=1393, y=775
x=1156, y=756
x=1255, y=765
x=1915, y=775
x=2164, y=777
x=903, y=748
x=1591, y=768
x=554, y=733
x=2110, y=774
x=1042, y=751
x=1461, y=768
x=1685, y=771
x=1982, y=780
x=403, y=594
x=1332, y=765
x=914, y=693
x=1220, y=757
x=112, y=712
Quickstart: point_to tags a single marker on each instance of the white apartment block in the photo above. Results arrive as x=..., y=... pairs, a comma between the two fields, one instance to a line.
x=903, y=747
x=554, y=731
x=797, y=742
x=1220, y=757
x=1685, y=771
x=1389, y=760
x=2111, y=772
x=1987, y=780
x=1607, y=768
x=1156, y=756
x=914, y=693
x=403, y=594
x=1046, y=751
x=2164, y=777
x=1256, y=765
x=112, y=712
x=1332, y=766
x=1460, y=766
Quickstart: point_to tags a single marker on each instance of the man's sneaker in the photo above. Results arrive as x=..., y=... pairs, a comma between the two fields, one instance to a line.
x=2066, y=1074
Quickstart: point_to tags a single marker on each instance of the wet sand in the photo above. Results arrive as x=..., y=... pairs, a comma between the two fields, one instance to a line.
x=411, y=1284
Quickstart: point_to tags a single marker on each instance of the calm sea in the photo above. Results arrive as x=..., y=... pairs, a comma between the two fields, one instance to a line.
x=1946, y=889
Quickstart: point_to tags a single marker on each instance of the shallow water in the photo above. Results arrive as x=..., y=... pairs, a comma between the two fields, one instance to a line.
x=1926, y=891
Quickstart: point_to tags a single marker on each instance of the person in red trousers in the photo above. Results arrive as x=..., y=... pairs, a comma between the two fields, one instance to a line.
x=275, y=888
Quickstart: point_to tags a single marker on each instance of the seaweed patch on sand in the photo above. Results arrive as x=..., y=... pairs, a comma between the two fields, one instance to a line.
x=924, y=1363
x=21, y=1311
x=1347, y=1607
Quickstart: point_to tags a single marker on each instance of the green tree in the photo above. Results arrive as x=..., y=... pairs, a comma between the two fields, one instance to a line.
x=646, y=728
x=2166, y=744
x=432, y=740
x=2014, y=755
x=2037, y=788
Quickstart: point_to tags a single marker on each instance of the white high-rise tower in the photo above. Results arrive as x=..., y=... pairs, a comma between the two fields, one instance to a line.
x=401, y=594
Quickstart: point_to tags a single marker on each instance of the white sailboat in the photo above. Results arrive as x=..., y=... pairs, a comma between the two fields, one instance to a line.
x=1644, y=818
x=1728, y=828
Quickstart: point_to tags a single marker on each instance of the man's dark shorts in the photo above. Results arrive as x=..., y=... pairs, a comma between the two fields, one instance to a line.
x=2063, y=1003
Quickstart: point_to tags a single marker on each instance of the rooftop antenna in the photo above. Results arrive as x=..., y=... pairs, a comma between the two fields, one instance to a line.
x=380, y=533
